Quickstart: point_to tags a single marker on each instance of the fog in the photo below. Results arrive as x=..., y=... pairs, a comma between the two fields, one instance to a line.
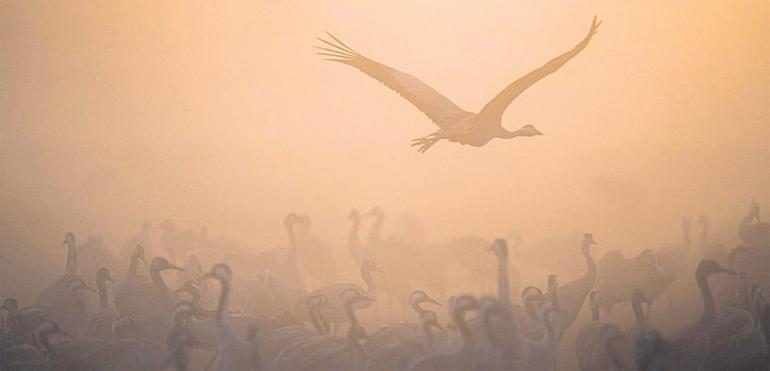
x=221, y=115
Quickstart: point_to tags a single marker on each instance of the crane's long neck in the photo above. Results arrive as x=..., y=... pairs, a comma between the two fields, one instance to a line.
x=371, y=285
x=350, y=314
x=292, y=244
x=354, y=243
x=641, y=318
x=503, y=284
x=223, y=315
x=416, y=307
x=79, y=301
x=72, y=260
x=157, y=280
x=13, y=316
x=590, y=263
x=426, y=331
x=595, y=312
x=709, y=306
x=101, y=285
x=42, y=338
x=313, y=314
x=132, y=267
x=458, y=317
x=505, y=134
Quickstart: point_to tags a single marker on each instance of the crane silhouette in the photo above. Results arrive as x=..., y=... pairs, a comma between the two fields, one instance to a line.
x=455, y=124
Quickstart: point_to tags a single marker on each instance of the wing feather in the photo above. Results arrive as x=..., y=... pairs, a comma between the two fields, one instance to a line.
x=442, y=111
x=499, y=103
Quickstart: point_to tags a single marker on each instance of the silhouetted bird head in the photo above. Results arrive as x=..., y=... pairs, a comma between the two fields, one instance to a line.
x=529, y=131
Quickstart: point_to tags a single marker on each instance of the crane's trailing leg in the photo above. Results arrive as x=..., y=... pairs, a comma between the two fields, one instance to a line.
x=426, y=142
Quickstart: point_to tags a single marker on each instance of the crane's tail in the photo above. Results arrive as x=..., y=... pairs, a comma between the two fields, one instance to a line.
x=337, y=51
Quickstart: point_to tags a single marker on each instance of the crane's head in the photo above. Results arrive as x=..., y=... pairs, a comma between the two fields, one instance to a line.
x=69, y=239
x=588, y=240
x=500, y=248
x=529, y=131
x=354, y=214
x=160, y=264
x=419, y=296
x=221, y=272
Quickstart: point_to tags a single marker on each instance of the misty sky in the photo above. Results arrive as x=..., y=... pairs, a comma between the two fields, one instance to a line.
x=220, y=114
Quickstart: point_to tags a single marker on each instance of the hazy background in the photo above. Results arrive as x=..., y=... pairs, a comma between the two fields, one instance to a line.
x=221, y=115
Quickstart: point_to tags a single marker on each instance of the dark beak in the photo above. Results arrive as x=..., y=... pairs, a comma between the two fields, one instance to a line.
x=430, y=300
x=537, y=132
x=363, y=299
x=65, y=334
x=86, y=287
x=438, y=326
x=174, y=267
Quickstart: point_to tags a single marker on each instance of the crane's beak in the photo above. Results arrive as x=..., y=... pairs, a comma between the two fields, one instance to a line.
x=89, y=288
x=65, y=334
x=363, y=299
x=438, y=326
x=538, y=132
x=174, y=267
x=430, y=300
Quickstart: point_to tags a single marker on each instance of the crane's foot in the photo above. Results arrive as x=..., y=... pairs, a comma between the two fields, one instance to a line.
x=425, y=142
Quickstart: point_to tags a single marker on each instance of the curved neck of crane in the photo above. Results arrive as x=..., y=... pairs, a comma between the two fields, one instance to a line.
x=157, y=280
x=351, y=314
x=590, y=264
x=313, y=314
x=709, y=306
x=641, y=318
x=503, y=285
x=132, y=267
x=42, y=338
x=506, y=134
x=101, y=285
x=223, y=316
x=459, y=319
x=595, y=312
x=371, y=285
x=426, y=331
x=416, y=307
x=72, y=259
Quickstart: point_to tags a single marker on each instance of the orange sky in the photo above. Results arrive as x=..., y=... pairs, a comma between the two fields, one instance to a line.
x=113, y=112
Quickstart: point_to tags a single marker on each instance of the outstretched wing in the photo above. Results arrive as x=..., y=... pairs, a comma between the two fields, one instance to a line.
x=499, y=103
x=442, y=111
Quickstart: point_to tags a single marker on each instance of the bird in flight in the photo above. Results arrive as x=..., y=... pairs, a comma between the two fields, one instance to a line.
x=455, y=124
